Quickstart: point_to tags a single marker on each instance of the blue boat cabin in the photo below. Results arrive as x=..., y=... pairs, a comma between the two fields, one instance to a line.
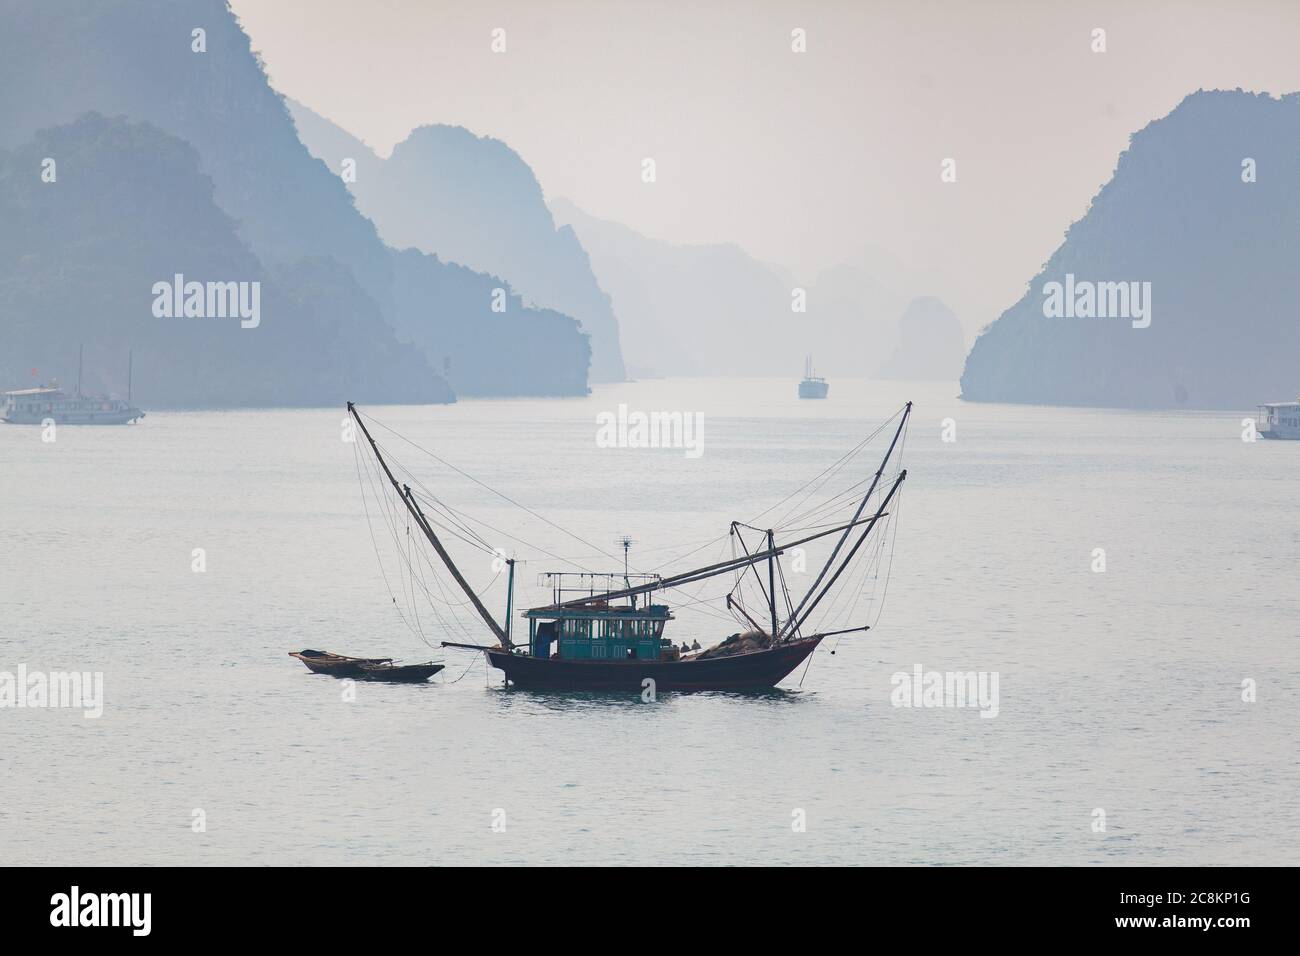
x=598, y=632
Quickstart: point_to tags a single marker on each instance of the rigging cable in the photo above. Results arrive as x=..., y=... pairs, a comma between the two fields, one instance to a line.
x=499, y=494
x=392, y=525
x=830, y=469
x=375, y=544
x=461, y=529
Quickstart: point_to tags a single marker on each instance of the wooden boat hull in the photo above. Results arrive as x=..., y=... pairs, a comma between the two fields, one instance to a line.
x=400, y=673
x=336, y=665
x=756, y=670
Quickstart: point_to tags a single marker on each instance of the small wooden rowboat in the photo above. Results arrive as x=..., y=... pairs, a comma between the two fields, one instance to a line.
x=400, y=673
x=336, y=665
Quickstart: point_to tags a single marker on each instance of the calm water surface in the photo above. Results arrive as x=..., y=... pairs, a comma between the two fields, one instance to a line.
x=1120, y=690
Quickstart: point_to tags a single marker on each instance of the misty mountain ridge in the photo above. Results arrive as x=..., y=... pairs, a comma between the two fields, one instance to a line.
x=142, y=211
x=472, y=200
x=1217, y=250
x=294, y=218
x=713, y=309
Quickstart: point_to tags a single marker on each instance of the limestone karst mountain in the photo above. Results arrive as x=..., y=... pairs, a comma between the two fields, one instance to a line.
x=186, y=68
x=1198, y=228
x=931, y=344
x=472, y=200
x=128, y=208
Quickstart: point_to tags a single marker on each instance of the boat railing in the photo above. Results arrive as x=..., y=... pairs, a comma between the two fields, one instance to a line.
x=590, y=583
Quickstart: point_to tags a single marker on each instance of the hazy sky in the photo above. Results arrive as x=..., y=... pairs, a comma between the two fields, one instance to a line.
x=805, y=160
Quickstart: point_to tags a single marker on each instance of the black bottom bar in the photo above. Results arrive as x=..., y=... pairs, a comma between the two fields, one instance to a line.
x=944, y=906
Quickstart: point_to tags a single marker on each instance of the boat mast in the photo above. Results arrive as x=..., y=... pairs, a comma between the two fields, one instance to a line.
x=404, y=492
x=796, y=620
x=771, y=578
x=753, y=566
x=81, y=351
x=129, y=358
x=791, y=624
x=510, y=598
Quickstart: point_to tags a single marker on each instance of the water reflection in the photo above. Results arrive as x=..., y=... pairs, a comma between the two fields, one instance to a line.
x=517, y=699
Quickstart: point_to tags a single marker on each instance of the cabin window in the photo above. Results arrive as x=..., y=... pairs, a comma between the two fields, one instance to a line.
x=574, y=628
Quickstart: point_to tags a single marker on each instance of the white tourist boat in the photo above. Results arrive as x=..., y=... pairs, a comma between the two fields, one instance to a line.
x=35, y=406
x=1279, y=420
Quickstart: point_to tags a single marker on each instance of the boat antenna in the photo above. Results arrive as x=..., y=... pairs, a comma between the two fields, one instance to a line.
x=626, y=543
x=408, y=499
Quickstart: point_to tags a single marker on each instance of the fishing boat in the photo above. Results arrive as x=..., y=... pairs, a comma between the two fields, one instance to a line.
x=812, y=386
x=1279, y=420
x=337, y=665
x=35, y=406
x=605, y=631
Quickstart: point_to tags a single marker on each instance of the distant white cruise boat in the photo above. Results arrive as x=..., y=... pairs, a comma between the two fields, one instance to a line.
x=34, y=406
x=812, y=386
x=1279, y=420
